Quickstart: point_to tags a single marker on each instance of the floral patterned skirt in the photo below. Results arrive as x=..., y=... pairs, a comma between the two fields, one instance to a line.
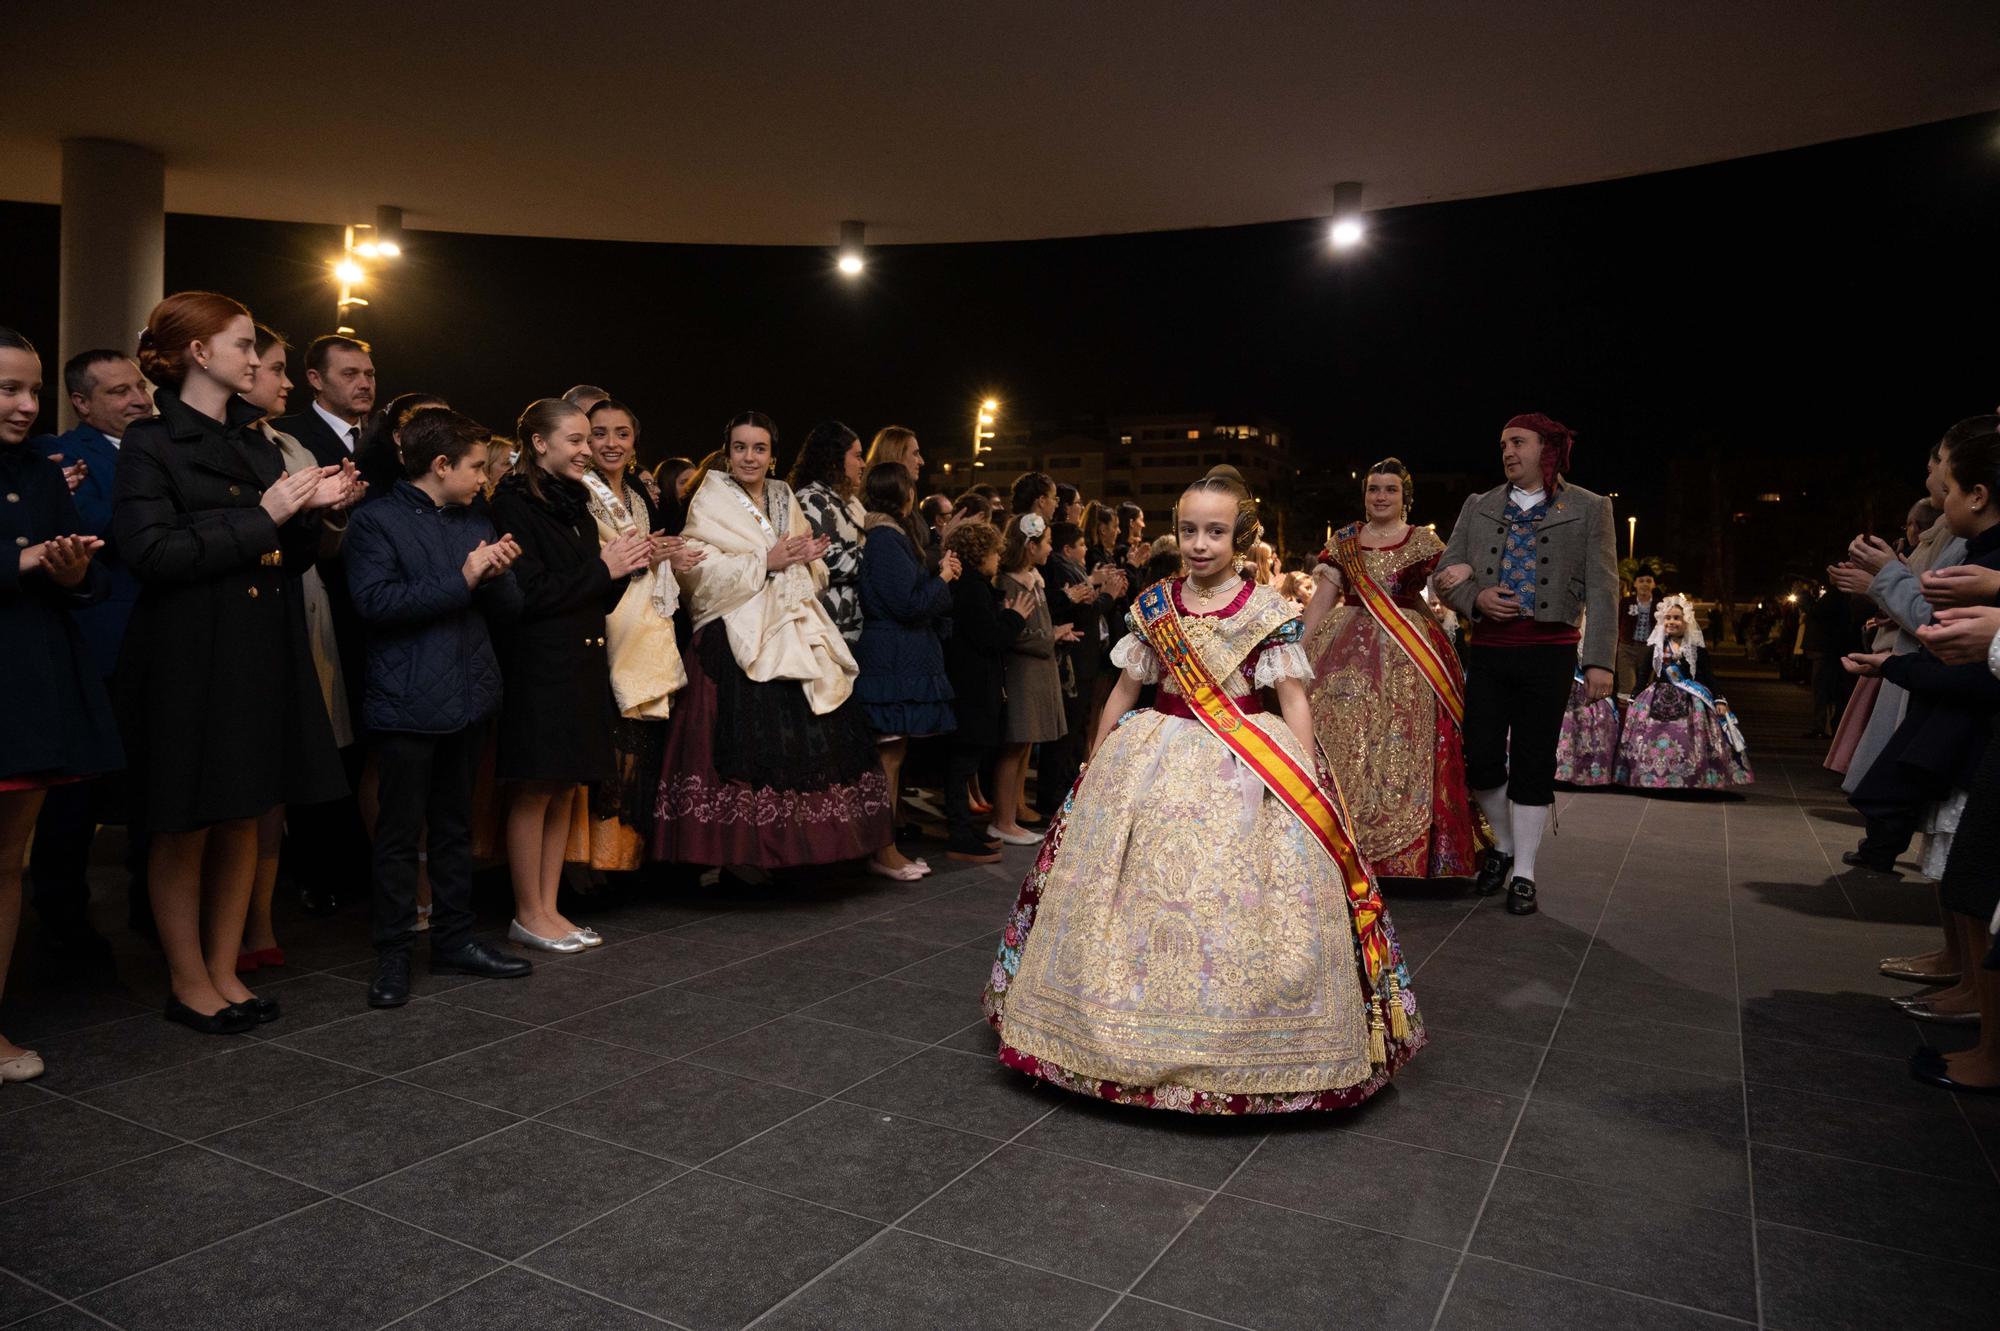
x=705, y=817
x=1587, y=753
x=1673, y=742
x=1183, y=943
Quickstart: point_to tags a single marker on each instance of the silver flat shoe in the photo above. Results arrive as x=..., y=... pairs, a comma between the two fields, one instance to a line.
x=567, y=943
x=588, y=937
x=24, y=1066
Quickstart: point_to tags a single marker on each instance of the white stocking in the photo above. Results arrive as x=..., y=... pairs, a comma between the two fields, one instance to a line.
x=1493, y=803
x=1529, y=821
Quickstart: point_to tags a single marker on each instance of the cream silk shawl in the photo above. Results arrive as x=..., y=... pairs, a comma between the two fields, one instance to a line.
x=646, y=669
x=777, y=627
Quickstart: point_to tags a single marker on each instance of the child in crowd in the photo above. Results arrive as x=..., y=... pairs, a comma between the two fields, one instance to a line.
x=426, y=572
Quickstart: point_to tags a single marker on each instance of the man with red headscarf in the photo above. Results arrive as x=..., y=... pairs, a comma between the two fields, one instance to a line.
x=1532, y=568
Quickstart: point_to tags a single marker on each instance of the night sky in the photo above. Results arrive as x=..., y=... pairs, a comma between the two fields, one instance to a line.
x=1805, y=322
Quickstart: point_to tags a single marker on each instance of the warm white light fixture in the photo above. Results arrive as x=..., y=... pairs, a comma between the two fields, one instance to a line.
x=851, y=260
x=1348, y=229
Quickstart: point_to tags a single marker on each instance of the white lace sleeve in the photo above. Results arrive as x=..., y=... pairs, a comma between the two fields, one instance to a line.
x=1135, y=656
x=1282, y=661
x=1993, y=656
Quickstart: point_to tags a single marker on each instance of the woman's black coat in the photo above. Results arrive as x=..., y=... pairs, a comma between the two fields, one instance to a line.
x=216, y=690
x=556, y=712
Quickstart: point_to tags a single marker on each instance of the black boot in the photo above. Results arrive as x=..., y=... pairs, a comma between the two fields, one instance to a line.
x=1861, y=859
x=392, y=980
x=1492, y=873
x=479, y=959
x=1521, y=897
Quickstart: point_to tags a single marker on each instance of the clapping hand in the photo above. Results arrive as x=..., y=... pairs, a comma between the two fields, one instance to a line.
x=949, y=567
x=64, y=558
x=1864, y=663
x=1961, y=585
x=1079, y=592
x=1021, y=601
x=74, y=474
x=489, y=559
x=288, y=494
x=1850, y=578
x=1067, y=633
x=332, y=487
x=1962, y=635
x=627, y=554
x=1871, y=554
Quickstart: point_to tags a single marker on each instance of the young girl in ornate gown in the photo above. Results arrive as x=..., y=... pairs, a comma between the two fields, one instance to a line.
x=1678, y=734
x=1199, y=931
x=1587, y=753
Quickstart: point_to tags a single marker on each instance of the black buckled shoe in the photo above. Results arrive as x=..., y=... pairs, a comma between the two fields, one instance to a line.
x=1854, y=859
x=1492, y=873
x=263, y=1009
x=392, y=980
x=229, y=1021
x=479, y=959
x=1521, y=897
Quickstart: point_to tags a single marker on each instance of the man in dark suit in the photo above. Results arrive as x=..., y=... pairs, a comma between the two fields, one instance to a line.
x=1532, y=568
x=326, y=846
x=107, y=393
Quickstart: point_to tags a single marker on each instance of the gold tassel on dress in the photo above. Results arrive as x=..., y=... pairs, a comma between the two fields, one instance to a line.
x=1399, y=1020
x=1378, y=1047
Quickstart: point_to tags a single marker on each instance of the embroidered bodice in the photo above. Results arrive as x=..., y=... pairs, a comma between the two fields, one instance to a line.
x=1249, y=644
x=1401, y=569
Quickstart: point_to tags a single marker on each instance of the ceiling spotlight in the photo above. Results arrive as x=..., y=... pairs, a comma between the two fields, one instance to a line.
x=368, y=249
x=388, y=231
x=388, y=249
x=1348, y=229
x=348, y=271
x=851, y=261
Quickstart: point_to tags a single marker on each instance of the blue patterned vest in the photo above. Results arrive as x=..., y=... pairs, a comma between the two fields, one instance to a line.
x=1518, y=559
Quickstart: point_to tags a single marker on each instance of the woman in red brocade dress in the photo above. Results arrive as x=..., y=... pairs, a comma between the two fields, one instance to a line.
x=1383, y=703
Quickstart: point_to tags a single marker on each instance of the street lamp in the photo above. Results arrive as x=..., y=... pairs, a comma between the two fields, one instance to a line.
x=359, y=241
x=1632, y=538
x=988, y=413
x=1348, y=230
x=851, y=260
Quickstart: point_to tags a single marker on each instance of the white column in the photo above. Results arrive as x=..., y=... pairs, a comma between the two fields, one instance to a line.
x=114, y=246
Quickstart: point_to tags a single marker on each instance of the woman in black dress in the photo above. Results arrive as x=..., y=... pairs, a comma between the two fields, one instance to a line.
x=555, y=717
x=218, y=696
x=59, y=727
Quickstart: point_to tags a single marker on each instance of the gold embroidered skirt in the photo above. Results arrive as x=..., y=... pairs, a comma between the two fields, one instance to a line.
x=1183, y=942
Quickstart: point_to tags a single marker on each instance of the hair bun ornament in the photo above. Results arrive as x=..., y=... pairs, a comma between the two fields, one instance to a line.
x=1033, y=525
x=146, y=337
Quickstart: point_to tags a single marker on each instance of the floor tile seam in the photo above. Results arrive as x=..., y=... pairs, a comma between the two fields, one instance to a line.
x=1613, y=1289
x=322, y=1199
x=60, y=1301
x=1513, y=1129
x=1644, y=1062
x=95, y=1025
x=851, y=1253
x=1206, y=1318
x=1477, y=903
x=1984, y=1268
x=1872, y=1164
x=1838, y=873
x=1586, y=1006
x=1956, y=1112
x=372, y=1078
x=1189, y=1224
x=835, y=993
x=919, y=1118
x=456, y=1290
x=1112, y=1290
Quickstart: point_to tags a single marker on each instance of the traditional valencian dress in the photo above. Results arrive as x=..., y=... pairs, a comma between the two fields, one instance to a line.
x=769, y=759
x=1587, y=752
x=1199, y=932
x=1388, y=697
x=1677, y=733
x=646, y=671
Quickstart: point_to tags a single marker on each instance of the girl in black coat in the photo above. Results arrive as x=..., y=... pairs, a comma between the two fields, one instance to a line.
x=555, y=715
x=983, y=627
x=59, y=726
x=217, y=692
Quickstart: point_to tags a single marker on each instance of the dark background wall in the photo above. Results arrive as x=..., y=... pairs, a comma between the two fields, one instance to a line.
x=1801, y=324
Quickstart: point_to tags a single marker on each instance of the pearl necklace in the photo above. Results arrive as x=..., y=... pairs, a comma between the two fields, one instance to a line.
x=1210, y=595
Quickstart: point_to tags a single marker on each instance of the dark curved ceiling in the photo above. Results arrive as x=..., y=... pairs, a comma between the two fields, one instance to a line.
x=769, y=123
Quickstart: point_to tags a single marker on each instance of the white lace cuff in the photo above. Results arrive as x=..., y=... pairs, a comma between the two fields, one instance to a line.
x=1285, y=661
x=1993, y=656
x=1135, y=656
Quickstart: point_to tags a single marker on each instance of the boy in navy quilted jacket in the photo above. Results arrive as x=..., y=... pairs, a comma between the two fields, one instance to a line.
x=426, y=572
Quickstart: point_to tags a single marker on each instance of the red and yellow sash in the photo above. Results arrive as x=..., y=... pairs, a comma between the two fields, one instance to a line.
x=1295, y=787
x=1438, y=670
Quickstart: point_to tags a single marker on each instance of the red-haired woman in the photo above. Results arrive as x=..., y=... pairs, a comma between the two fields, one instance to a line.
x=217, y=692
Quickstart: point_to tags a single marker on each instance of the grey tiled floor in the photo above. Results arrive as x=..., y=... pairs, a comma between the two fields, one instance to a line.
x=1675, y=1099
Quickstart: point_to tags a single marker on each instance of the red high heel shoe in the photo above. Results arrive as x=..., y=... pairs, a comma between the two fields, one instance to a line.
x=247, y=962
